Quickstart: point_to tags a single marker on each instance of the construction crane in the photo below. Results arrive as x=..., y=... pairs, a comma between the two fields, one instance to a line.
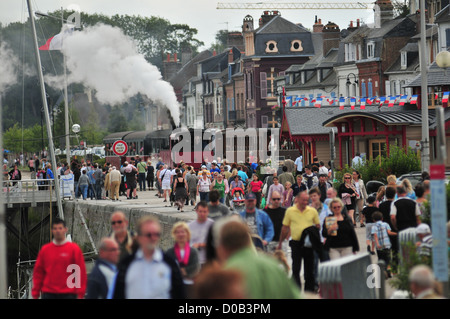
x=292, y=5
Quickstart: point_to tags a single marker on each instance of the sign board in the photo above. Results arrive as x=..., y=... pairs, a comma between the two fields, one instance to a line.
x=439, y=221
x=67, y=185
x=120, y=148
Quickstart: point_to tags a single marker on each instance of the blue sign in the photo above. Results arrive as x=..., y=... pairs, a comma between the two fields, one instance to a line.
x=439, y=229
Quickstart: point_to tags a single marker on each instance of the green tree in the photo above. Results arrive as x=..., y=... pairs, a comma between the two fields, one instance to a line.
x=221, y=41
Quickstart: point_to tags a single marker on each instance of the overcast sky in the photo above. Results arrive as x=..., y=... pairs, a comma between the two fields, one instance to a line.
x=200, y=14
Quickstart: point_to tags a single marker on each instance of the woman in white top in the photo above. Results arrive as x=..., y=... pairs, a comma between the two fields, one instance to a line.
x=164, y=179
x=361, y=190
x=203, y=187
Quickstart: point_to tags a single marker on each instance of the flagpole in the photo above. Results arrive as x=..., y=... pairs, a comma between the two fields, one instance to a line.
x=3, y=247
x=47, y=117
x=66, y=100
x=424, y=91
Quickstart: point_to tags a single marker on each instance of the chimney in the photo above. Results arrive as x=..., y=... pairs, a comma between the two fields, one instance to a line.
x=175, y=57
x=214, y=53
x=357, y=23
x=331, y=37
x=267, y=16
x=318, y=26
x=168, y=57
x=384, y=12
x=230, y=56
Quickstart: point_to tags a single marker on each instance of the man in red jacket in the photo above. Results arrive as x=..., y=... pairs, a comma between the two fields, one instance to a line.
x=59, y=272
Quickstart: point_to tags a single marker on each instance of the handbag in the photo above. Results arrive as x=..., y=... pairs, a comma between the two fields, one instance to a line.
x=346, y=199
x=263, y=203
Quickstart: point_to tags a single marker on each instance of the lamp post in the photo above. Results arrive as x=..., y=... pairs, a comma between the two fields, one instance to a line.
x=438, y=192
x=424, y=92
x=348, y=83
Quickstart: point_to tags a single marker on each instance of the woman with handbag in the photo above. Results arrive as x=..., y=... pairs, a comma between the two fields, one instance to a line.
x=347, y=192
x=361, y=189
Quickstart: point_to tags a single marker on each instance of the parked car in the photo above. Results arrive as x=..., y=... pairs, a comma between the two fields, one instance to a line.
x=372, y=187
x=415, y=178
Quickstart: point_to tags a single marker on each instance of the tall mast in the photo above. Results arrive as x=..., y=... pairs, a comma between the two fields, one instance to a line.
x=47, y=117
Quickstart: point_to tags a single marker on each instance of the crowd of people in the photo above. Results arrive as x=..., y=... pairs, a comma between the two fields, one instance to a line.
x=245, y=229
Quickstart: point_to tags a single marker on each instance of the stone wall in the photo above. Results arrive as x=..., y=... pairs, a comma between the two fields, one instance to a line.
x=98, y=221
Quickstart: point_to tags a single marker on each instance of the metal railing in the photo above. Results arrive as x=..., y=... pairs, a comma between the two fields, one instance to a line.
x=28, y=191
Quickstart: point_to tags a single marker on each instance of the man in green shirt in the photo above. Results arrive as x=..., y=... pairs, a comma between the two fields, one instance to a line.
x=142, y=168
x=263, y=276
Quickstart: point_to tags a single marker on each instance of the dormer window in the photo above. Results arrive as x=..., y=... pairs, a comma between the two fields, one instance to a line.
x=271, y=47
x=296, y=46
x=371, y=50
x=350, y=52
x=403, y=60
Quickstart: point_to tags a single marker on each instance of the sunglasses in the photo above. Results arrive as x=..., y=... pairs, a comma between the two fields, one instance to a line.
x=276, y=198
x=347, y=177
x=334, y=207
x=151, y=235
x=116, y=222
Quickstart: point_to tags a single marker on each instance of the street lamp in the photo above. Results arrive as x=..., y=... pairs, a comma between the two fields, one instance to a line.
x=443, y=60
x=348, y=83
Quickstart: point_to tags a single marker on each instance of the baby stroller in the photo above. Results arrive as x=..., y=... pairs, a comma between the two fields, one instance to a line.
x=238, y=197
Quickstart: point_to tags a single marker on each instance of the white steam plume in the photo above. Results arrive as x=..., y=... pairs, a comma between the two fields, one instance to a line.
x=9, y=64
x=103, y=58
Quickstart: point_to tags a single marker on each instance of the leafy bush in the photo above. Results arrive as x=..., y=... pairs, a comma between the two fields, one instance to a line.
x=398, y=162
x=401, y=280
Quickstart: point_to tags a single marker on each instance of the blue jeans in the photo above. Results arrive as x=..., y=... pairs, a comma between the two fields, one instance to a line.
x=83, y=190
x=204, y=196
x=91, y=192
x=98, y=191
x=141, y=179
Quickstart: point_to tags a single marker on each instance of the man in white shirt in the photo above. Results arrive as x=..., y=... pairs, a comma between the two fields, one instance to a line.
x=357, y=160
x=299, y=164
x=199, y=230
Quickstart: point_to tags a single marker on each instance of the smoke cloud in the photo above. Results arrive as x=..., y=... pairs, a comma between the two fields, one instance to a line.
x=9, y=64
x=104, y=59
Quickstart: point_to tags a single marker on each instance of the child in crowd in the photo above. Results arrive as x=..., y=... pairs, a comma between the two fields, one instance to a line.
x=381, y=231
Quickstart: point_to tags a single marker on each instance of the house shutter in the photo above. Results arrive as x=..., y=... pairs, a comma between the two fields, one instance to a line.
x=263, y=84
x=363, y=89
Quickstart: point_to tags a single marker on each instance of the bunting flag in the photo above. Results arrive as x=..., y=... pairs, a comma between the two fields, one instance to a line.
x=352, y=103
x=318, y=102
x=341, y=103
x=363, y=104
x=392, y=101
x=297, y=100
x=389, y=101
x=445, y=99
x=403, y=99
x=436, y=96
